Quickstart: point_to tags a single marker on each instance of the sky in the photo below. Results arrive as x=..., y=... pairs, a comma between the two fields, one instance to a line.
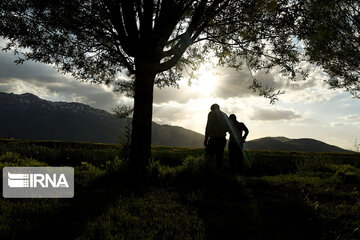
x=307, y=109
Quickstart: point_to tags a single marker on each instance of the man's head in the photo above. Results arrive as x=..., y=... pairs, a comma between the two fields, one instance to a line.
x=215, y=106
x=232, y=117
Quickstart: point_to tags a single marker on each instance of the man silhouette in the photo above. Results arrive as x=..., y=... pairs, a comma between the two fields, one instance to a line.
x=216, y=127
x=236, y=144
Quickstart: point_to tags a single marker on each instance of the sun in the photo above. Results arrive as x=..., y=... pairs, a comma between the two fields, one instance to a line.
x=206, y=80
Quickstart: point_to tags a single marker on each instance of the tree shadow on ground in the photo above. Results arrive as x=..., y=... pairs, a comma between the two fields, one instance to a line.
x=243, y=208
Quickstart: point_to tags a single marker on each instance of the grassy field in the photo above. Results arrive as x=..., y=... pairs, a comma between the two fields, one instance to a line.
x=282, y=195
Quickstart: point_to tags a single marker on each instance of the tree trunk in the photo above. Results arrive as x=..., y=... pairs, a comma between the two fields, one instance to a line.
x=140, y=150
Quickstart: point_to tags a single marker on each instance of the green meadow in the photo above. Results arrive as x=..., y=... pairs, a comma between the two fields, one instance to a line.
x=280, y=195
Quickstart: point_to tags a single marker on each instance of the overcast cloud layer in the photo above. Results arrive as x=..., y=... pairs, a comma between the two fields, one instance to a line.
x=307, y=109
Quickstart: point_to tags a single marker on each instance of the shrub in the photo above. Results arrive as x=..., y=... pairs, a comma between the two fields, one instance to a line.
x=348, y=174
x=314, y=163
x=86, y=173
x=270, y=162
x=115, y=164
x=11, y=159
x=194, y=164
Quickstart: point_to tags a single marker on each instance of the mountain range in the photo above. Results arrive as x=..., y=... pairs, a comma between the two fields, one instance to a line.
x=286, y=144
x=26, y=116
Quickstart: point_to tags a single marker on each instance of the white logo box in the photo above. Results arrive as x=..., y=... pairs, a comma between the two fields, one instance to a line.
x=38, y=182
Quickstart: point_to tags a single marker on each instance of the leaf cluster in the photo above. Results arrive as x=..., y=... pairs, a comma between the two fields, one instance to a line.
x=331, y=33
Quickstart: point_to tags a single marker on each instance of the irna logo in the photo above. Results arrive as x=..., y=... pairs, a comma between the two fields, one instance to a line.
x=18, y=180
x=38, y=182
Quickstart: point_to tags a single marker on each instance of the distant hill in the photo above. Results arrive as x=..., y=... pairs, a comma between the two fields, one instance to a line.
x=286, y=144
x=171, y=135
x=27, y=116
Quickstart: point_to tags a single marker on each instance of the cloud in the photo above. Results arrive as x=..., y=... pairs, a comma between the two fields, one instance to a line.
x=171, y=94
x=337, y=124
x=351, y=117
x=47, y=83
x=170, y=112
x=274, y=114
x=232, y=83
x=235, y=83
x=29, y=71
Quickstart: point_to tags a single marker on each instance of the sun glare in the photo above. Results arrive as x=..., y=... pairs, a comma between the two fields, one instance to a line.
x=206, y=80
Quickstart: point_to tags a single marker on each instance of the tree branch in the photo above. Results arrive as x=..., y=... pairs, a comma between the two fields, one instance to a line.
x=129, y=16
x=113, y=9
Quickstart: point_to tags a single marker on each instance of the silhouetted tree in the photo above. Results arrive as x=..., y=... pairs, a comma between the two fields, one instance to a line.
x=155, y=41
x=331, y=33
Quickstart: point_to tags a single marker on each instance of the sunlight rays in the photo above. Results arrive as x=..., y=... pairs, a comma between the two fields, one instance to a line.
x=206, y=80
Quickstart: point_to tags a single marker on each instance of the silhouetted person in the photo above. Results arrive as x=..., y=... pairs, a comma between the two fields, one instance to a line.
x=236, y=144
x=216, y=127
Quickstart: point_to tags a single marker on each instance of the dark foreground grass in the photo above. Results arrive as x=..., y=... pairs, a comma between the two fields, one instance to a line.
x=284, y=195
